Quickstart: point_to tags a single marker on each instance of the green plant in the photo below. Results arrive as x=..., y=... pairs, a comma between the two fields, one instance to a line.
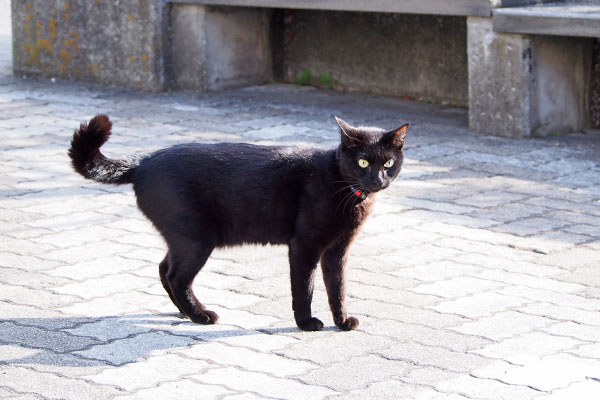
x=326, y=80
x=305, y=77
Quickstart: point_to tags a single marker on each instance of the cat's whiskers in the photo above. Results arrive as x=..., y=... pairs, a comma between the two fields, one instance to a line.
x=343, y=188
x=345, y=200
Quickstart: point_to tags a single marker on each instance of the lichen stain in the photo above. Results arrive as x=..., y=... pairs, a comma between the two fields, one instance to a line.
x=34, y=48
x=52, y=32
x=93, y=69
x=65, y=61
x=132, y=59
x=144, y=57
x=130, y=18
x=68, y=5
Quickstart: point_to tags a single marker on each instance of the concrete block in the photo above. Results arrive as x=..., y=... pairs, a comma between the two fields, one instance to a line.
x=499, y=80
x=522, y=86
x=187, y=51
x=215, y=48
x=113, y=43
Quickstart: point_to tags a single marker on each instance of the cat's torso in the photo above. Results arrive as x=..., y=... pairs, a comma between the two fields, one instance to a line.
x=231, y=194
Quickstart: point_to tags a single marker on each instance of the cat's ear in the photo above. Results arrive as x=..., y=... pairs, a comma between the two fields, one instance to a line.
x=351, y=136
x=395, y=137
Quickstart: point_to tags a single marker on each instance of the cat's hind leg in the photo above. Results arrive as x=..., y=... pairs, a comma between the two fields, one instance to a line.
x=184, y=262
x=163, y=269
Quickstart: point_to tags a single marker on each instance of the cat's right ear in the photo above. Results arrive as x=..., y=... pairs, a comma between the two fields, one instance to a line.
x=350, y=136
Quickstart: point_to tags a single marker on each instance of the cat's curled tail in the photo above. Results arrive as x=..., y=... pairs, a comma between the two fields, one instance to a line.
x=87, y=159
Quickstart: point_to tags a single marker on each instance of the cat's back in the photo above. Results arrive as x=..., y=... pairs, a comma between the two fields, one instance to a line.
x=243, y=193
x=203, y=158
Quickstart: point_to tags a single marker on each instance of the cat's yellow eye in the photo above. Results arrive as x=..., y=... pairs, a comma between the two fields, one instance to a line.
x=363, y=163
x=389, y=163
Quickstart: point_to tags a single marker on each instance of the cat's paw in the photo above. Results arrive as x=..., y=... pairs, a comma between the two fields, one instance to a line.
x=205, y=317
x=313, y=324
x=347, y=324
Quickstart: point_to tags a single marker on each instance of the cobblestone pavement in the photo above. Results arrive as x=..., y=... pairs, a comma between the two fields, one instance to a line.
x=478, y=276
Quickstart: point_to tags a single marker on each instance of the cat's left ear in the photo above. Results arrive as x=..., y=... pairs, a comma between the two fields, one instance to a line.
x=395, y=137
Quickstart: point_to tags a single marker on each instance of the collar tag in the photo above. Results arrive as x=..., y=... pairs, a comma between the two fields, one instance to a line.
x=359, y=193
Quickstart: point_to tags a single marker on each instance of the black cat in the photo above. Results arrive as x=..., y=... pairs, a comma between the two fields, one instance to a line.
x=204, y=196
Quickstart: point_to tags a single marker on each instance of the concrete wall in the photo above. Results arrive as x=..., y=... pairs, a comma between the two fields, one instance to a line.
x=419, y=56
x=108, y=42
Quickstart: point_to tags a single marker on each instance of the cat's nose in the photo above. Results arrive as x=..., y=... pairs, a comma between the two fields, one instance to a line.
x=377, y=182
x=377, y=185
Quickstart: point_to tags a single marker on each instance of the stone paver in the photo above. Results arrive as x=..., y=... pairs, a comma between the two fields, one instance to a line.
x=477, y=276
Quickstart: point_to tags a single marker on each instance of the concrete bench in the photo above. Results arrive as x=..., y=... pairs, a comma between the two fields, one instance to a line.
x=522, y=71
x=242, y=47
x=530, y=68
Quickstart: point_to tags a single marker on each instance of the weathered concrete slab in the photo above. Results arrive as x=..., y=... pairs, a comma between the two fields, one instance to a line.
x=569, y=18
x=437, y=7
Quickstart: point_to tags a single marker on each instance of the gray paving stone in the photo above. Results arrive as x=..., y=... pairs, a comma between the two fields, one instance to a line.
x=574, y=330
x=262, y=384
x=563, y=313
x=152, y=372
x=408, y=333
x=249, y=360
x=477, y=388
x=182, y=388
x=457, y=287
x=110, y=328
x=35, y=337
x=356, y=373
x=528, y=347
x=427, y=356
x=503, y=325
x=548, y=374
x=586, y=390
x=551, y=296
x=129, y=350
x=47, y=385
x=479, y=305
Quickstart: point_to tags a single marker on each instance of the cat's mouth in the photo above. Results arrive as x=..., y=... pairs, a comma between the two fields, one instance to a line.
x=376, y=189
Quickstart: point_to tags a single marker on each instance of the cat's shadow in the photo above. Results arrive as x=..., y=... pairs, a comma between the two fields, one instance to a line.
x=89, y=342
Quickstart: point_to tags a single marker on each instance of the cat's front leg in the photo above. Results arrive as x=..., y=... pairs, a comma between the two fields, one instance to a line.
x=303, y=265
x=333, y=264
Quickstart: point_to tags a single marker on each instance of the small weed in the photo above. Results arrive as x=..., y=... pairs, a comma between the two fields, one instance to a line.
x=326, y=80
x=305, y=77
x=555, y=134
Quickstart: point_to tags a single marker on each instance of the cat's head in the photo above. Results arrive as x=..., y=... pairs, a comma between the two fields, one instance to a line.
x=370, y=158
